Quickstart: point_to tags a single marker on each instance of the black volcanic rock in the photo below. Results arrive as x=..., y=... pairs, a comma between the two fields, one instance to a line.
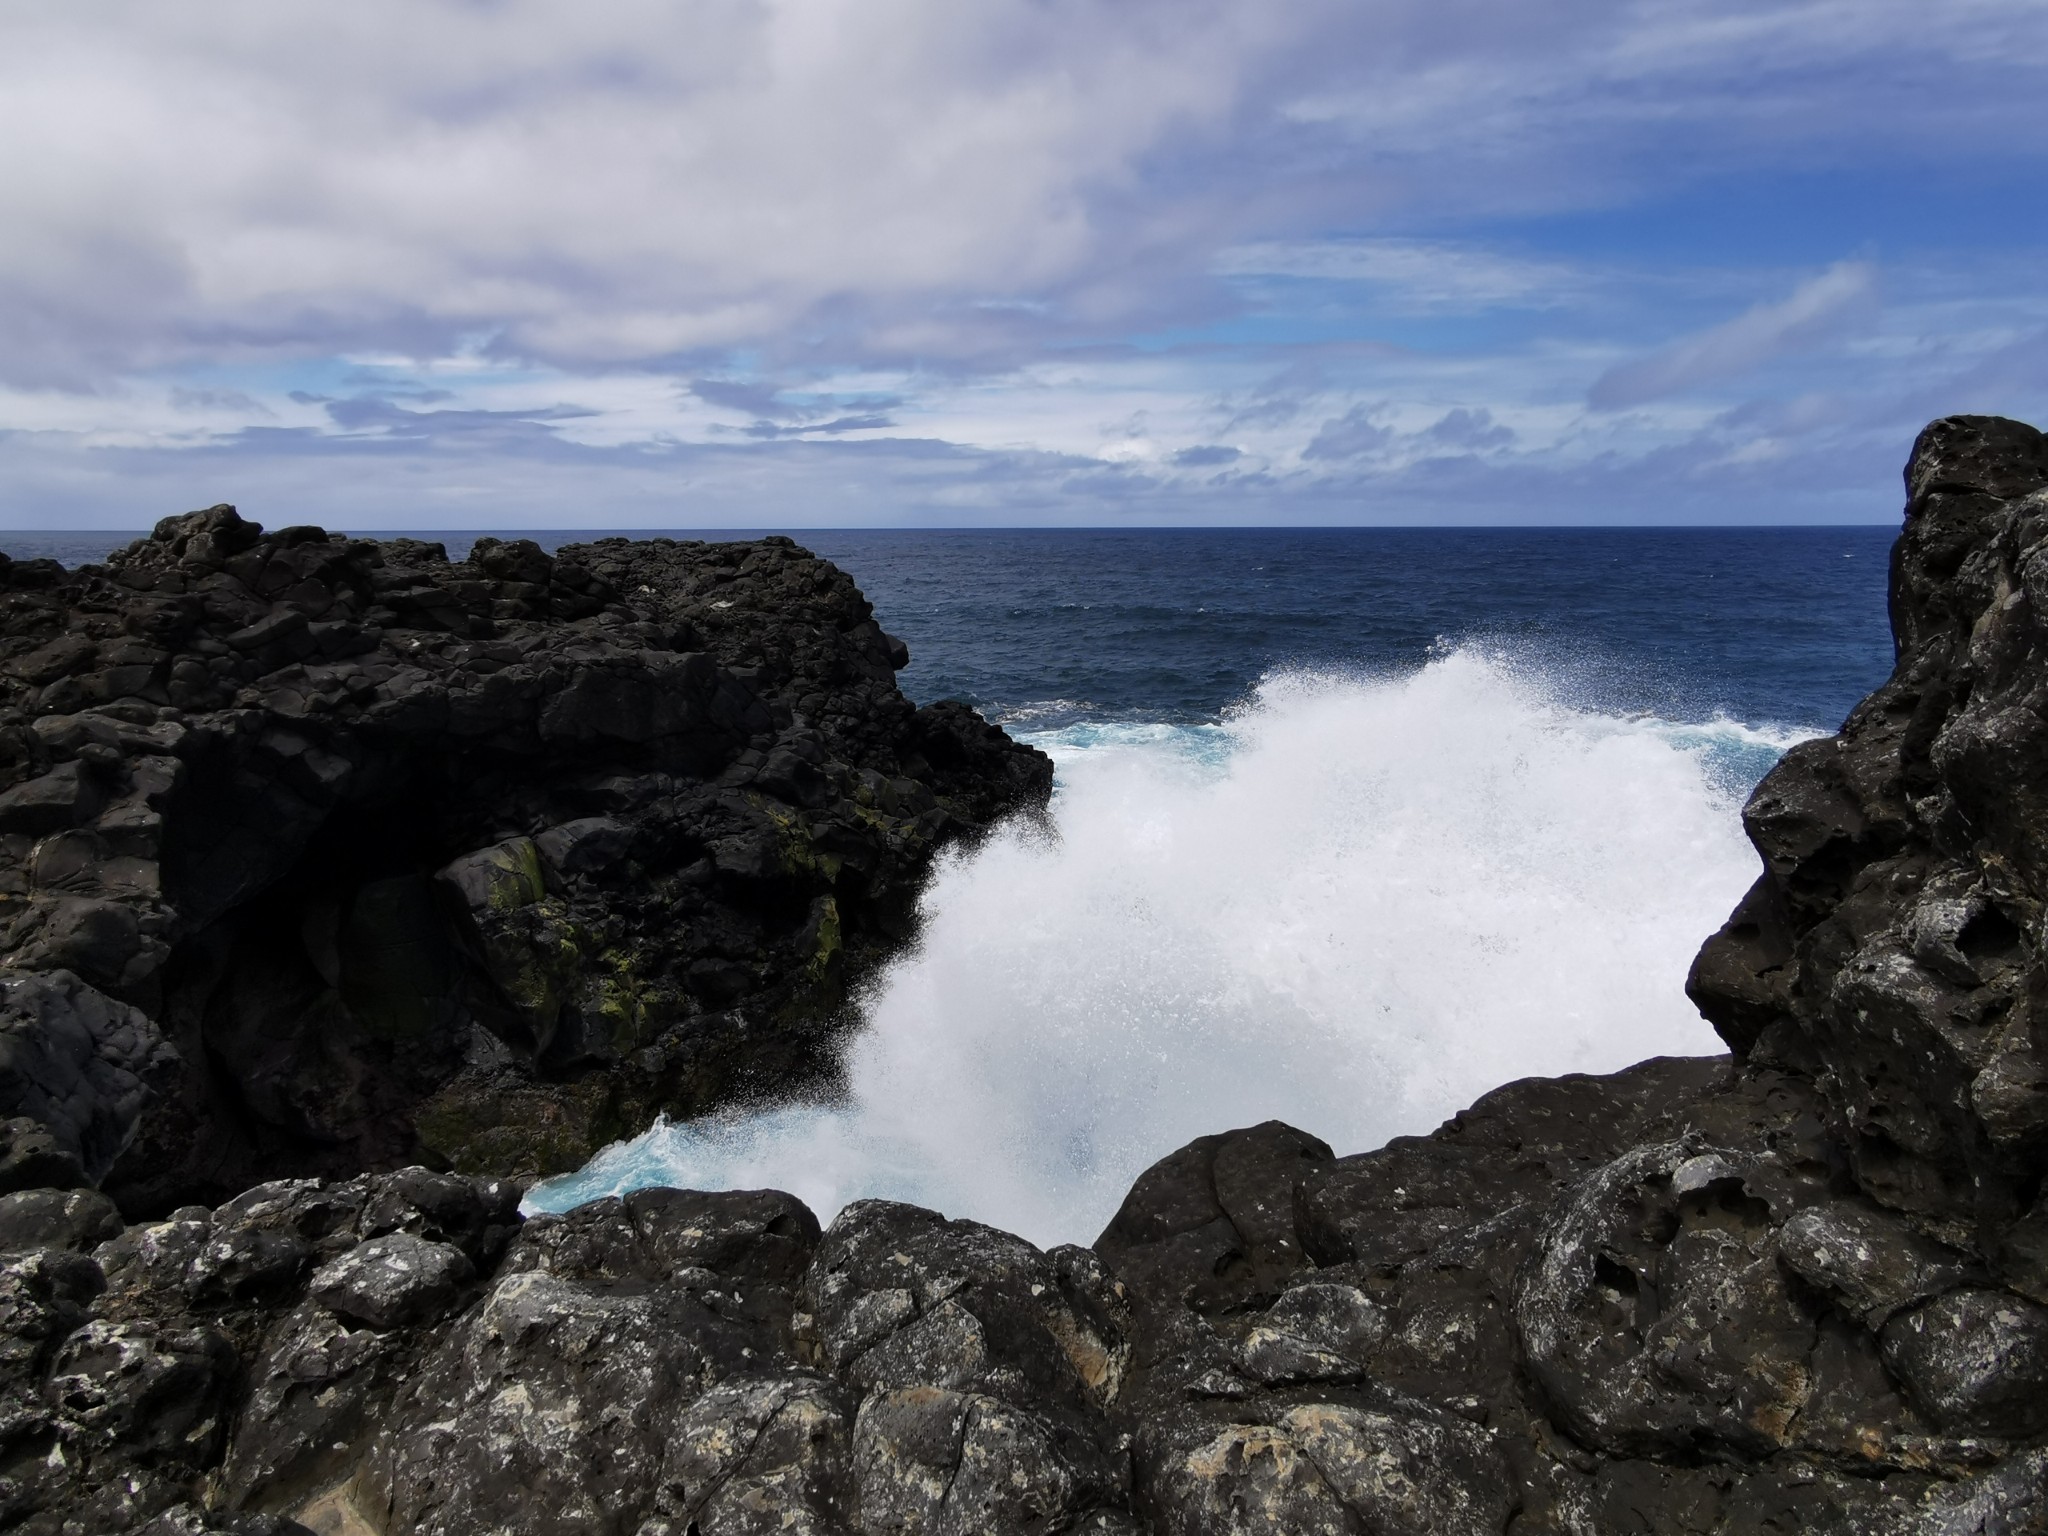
x=1892, y=949
x=319, y=854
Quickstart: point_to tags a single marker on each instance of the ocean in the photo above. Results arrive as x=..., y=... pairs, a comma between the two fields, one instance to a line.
x=1349, y=827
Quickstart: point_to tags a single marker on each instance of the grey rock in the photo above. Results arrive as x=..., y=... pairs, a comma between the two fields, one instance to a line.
x=1871, y=1262
x=930, y=1460
x=44, y=1294
x=312, y=1402
x=758, y=1455
x=1414, y=1473
x=75, y=1219
x=191, y=1520
x=393, y=1281
x=1315, y=1332
x=898, y=1296
x=1216, y=1221
x=31, y=1157
x=63, y=797
x=1974, y=1360
x=551, y=1406
x=1883, y=949
x=1654, y=1314
x=76, y=1062
x=154, y=1392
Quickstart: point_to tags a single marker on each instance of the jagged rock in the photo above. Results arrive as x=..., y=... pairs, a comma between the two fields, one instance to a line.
x=1974, y=1360
x=1887, y=945
x=1401, y=1470
x=1314, y=1332
x=75, y=1063
x=899, y=1297
x=1871, y=1263
x=75, y=1219
x=157, y=1394
x=759, y=1455
x=484, y=864
x=551, y=1406
x=393, y=1281
x=963, y=1463
x=1216, y=1221
x=1655, y=1317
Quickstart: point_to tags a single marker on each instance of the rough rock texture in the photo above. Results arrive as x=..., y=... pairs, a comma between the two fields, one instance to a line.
x=1652, y=1302
x=1893, y=948
x=320, y=855
x=1799, y=1290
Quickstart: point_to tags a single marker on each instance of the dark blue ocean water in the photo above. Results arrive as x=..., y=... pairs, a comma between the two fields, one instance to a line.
x=1774, y=628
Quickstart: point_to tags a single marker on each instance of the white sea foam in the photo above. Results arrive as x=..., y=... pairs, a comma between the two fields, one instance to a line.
x=1356, y=905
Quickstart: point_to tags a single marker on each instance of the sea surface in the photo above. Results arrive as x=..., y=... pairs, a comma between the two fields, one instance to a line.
x=1350, y=826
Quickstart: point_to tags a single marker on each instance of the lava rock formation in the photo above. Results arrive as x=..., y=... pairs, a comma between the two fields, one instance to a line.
x=321, y=855
x=1802, y=1288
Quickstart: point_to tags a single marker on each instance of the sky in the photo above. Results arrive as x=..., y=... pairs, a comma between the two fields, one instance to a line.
x=454, y=264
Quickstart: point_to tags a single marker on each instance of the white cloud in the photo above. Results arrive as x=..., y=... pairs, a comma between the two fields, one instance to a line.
x=1417, y=276
x=1816, y=310
x=599, y=183
x=841, y=180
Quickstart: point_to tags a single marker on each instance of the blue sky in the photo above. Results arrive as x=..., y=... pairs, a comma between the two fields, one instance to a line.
x=793, y=263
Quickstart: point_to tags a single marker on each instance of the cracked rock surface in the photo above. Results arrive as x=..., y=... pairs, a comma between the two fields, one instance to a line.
x=1802, y=1288
x=321, y=855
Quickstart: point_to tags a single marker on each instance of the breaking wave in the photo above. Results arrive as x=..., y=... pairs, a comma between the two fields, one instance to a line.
x=1355, y=904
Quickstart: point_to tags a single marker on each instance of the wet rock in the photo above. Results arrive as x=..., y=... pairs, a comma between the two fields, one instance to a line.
x=74, y=1062
x=1868, y=1260
x=758, y=1455
x=1655, y=1316
x=899, y=1297
x=393, y=1281
x=931, y=1460
x=1975, y=1360
x=1216, y=1221
x=74, y=1219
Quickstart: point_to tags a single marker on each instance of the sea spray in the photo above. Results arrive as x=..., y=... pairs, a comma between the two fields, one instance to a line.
x=1354, y=905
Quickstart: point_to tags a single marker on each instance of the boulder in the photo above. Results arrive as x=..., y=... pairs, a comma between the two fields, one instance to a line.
x=75, y=1063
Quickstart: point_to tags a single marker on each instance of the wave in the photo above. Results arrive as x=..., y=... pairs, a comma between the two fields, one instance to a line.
x=1355, y=904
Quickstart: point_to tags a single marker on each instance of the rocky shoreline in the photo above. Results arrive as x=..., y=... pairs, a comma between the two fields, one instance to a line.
x=321, y=856
x=1803, y=1287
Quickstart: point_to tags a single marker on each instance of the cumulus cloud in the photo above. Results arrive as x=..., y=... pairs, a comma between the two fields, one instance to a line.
x=1471, y=430
x=1815, y=311
x=1350, y=436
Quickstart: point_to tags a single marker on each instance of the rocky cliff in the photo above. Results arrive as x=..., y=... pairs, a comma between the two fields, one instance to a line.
x=320, y=855
x=1802, y=1288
